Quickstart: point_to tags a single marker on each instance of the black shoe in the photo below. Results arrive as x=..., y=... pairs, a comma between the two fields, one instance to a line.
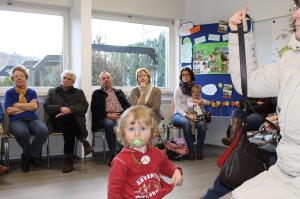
x=192, y=155
x=200, y=156
x=25, y=163
x=68, y=166
x=87, y=147
x=35, y=161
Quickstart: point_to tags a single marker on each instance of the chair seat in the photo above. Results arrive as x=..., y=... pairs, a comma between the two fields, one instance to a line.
x=102, y=132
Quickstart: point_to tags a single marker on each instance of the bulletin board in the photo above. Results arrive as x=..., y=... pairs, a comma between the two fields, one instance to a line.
x=206, y=52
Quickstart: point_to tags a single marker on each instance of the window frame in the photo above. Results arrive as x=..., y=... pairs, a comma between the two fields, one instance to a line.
x=59, y=11
x=171, y=43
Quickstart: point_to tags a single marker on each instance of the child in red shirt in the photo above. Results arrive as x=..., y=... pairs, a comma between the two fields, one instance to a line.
x=135, y=171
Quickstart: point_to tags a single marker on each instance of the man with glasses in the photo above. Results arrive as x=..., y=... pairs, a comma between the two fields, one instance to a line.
x=66, y=107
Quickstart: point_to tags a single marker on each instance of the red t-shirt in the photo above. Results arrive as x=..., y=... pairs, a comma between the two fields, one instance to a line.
x=128, y=179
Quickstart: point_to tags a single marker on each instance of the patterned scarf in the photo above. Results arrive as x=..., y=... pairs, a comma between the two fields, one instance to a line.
x=186, y=88
x=22, y=93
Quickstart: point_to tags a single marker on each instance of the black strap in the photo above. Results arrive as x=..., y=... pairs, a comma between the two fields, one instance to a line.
x=243, y=68
x=242, y=52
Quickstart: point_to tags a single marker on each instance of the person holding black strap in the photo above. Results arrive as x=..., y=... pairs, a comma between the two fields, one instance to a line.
x=280, y=79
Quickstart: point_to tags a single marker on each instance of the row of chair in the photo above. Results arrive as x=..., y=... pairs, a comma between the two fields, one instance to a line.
x=5, y=135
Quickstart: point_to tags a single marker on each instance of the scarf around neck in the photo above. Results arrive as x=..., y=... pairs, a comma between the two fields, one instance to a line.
x=186, y=88
x=22, y=93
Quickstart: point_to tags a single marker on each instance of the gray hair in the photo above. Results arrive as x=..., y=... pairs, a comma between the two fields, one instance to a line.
x=70, y=73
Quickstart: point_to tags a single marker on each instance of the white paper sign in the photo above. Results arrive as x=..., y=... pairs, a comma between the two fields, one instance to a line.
x=225, y=37
x=209, y=89
x=213, y=37
x=200, y=40
x=186, y=53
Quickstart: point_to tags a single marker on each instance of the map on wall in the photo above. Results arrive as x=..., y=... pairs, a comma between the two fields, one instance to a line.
x=210, y=58
x=281, y=35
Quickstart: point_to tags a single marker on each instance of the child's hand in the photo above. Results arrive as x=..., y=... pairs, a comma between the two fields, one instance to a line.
x=200, y=102
x=177, y=179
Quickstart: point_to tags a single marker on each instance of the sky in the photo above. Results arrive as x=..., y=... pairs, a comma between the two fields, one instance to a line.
x=37, y=35
x=30, y=34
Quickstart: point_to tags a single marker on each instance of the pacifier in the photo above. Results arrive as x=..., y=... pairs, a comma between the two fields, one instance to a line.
x=137, y=142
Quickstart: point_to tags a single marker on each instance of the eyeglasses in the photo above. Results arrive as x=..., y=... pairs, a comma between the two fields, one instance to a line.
x=296, y=6
x=182, y=75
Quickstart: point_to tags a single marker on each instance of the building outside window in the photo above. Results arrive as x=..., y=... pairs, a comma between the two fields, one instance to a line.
x=35, y=41
x=120, y=47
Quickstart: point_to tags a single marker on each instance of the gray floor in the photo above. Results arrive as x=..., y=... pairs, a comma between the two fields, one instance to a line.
x=90, y=180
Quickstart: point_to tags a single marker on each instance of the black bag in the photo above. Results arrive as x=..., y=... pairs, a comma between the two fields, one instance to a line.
x=243, y=163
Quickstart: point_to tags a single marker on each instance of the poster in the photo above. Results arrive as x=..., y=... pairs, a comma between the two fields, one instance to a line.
x=210, y=58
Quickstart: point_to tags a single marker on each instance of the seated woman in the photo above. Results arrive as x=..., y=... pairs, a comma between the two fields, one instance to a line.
x=145, y=93
x=182, y=119
x=261, y=108
x=66, y=107
x=21, y=104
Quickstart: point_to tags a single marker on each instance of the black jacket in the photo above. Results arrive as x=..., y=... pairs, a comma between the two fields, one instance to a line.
x=98, y=105
x=76, y=102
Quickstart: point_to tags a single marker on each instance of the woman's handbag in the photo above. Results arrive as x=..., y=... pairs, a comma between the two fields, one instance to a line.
x=244, y=161
x=207, y=117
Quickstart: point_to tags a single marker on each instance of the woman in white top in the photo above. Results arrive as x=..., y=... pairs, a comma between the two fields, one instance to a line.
x=182, y=118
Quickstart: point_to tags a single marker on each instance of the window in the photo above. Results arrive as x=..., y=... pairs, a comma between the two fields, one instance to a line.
x=35, y=41
x=121, y=47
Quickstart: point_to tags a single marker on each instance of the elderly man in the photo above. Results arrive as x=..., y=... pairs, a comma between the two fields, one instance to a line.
x=107, y=105
x=66, y=107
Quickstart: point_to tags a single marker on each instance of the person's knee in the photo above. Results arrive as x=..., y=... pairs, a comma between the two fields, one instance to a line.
x=108, y=124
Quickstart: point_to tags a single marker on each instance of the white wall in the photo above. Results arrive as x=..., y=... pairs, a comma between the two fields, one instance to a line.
x=210, y=11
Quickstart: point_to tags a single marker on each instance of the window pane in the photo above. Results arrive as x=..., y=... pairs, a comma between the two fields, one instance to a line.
x=120, y=48
x=34, y=40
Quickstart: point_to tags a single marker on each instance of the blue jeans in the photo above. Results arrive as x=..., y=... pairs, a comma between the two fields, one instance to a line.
x=254, y=120
x=184, y=123
x=110, y=135
x=22, y=128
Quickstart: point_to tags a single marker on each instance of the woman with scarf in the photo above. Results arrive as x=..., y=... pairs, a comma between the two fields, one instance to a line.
x=146, y=94
x=21, y=104
x=182, y=119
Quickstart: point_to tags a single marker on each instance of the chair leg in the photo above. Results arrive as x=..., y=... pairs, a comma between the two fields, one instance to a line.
x=48, y=152
x=2, y=149
x=6, y=153
x=104, y=151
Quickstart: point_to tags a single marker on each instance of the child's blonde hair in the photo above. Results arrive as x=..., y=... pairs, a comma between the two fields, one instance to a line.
x=196, y=88
x=137, y=114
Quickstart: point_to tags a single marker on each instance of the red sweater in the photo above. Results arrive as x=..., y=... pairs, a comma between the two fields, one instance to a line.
x=128, y=179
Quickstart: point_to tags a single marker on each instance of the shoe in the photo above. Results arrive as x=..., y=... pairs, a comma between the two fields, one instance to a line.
x=236, y=125
x=68, y=167
x=192, y=155
x=3, y=169
x=200, y=156
x=25, y=163
x=87, y=147
x=35, y=161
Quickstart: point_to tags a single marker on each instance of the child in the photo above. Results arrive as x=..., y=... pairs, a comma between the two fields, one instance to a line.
x=135, y=171
x=195, y=104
